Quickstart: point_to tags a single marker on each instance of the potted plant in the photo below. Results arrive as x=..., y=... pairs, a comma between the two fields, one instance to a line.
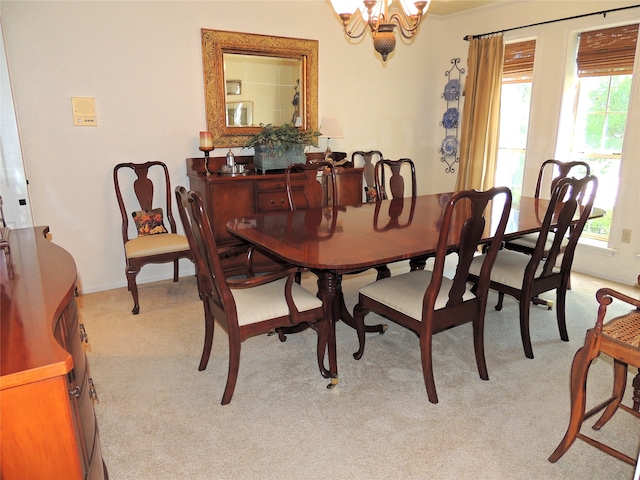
x=277, y=147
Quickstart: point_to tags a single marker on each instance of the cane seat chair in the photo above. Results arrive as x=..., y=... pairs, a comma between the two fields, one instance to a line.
x=368, y=161
x=154, y=243
x=551, y=171
x=426, y=301
x=525, y=276
x=619, y=338
x=244, y=307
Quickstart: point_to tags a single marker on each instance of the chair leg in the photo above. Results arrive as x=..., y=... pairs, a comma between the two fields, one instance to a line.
x=209, y=328
x=478, y=344
x=636, y=392
x=131, y=273
x=524, y=327
x=579, y=371
x=561, y=297
x=234, y=365
x=500, y=300
x=619, y=385
x=359, y=312
x=176, y=271
x=427, y=365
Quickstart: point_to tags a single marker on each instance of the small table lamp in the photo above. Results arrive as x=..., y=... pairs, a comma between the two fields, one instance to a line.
x=330, y=128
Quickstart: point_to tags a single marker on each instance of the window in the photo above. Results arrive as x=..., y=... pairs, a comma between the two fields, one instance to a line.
x=605, y=66
x=517, y=75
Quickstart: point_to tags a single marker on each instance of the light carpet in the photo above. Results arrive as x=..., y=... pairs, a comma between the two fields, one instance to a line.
x=160, y=418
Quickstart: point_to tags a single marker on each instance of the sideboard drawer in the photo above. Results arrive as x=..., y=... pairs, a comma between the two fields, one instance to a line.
x=272, y=201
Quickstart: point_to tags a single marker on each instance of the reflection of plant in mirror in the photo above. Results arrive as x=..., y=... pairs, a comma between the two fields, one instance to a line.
x=283, y=137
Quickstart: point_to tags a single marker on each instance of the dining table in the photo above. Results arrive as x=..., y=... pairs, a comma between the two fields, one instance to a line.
x=332, y=241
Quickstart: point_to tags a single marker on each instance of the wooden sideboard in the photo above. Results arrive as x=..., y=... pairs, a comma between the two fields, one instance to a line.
x=48, y=424
x=227, y=197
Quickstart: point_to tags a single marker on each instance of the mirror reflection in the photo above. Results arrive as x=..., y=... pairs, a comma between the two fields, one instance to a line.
x=261, y=89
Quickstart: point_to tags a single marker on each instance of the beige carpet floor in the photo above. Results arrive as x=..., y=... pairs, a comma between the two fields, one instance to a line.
x=160, y=418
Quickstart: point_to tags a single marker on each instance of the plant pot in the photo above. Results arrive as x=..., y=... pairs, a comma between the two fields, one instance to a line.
x=269, y=158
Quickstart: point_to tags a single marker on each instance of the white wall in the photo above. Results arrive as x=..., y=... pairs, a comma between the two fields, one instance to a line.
x=142, y=62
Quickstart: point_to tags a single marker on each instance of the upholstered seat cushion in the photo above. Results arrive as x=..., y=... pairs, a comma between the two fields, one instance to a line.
x=267, y=301
x=508, y=269
x=405, y=292
x=530, y=239
x=155, y=245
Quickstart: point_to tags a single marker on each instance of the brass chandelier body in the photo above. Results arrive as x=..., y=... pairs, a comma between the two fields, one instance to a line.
x=357, y=15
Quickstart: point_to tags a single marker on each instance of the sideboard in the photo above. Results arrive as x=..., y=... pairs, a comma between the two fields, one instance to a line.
x=49, y=427
x=227, y=197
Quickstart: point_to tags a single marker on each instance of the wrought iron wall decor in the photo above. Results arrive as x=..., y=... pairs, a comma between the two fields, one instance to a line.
x=451, y=117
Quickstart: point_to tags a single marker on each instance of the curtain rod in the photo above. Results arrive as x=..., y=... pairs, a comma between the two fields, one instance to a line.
x=603, y=12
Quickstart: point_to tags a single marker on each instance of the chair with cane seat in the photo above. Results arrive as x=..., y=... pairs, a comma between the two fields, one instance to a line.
x=619, y=338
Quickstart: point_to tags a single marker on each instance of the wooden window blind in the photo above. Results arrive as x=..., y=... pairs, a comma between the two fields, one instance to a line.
x=518, y=62
x=607, y=52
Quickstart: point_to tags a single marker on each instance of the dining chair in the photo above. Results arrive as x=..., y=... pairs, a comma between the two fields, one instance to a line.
x=427, y=301
x=244, y=307
x=154, y=242
x=525, y=276
x=368, y=161
x=618, y=338
x=551, y=172
x=396, y=184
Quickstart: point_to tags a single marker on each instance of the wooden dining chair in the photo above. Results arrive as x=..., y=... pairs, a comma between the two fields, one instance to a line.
x=426, y=301
x=367, y=160
x=244, y=307
x=618, y=338
x=396, y=180
x=319, y=187
x=525, y=276
x=154, y=242
x=551, y=172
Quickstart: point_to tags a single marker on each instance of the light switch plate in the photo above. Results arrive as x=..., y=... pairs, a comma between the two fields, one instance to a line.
x=84, y=111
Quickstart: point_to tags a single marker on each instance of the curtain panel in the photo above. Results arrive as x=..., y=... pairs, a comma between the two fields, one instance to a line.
x=481, y=114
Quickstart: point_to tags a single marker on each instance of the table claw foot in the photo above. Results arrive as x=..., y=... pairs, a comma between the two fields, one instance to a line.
x=334, y=382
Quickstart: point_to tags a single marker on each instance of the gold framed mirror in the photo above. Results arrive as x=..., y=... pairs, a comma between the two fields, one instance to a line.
x=277, y=76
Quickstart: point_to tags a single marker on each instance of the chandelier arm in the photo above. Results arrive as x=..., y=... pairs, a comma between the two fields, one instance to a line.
x=352, y=22
x=408, y=25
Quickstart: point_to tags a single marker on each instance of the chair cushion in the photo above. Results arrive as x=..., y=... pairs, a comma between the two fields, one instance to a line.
x=149, y=222
x=508, y=269
x=155, y=245
x=530, y=239
x=405, y=292
x=267, y=301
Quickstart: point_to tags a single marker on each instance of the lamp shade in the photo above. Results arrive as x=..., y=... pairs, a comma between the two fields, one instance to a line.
x=330, y=128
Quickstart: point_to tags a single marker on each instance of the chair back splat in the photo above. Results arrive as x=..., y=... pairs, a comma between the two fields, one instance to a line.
x=155, y=243
x=244, y=307
x=318, y=189
x=428, y=301
x=368, y=161
x=396, y=180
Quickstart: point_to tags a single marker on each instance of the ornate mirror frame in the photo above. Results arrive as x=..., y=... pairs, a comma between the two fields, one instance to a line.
x=215, y=43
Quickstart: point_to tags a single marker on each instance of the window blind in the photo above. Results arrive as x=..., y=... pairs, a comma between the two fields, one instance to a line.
x=607, y=52
x=518, y=62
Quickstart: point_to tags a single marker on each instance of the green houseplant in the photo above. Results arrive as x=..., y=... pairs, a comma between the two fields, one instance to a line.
x=278, y=146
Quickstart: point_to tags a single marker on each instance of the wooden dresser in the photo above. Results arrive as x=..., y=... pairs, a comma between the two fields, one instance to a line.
x=48, y=427
x=227, y=197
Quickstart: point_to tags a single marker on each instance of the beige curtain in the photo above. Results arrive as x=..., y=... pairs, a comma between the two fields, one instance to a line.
x=481, y=114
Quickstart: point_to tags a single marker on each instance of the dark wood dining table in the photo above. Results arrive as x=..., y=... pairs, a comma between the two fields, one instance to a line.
x=331, y=242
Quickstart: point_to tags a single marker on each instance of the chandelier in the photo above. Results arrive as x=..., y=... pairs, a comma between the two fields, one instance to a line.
x=380, y=16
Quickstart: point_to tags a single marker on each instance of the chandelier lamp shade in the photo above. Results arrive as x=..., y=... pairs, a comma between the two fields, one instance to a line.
x=381, y=17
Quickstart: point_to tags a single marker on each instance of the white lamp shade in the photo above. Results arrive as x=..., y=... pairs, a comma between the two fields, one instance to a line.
x=330, y=128
x=346, y=6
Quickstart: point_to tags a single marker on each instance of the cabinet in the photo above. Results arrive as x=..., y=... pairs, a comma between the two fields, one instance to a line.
x=49, y=427
x=227, y=197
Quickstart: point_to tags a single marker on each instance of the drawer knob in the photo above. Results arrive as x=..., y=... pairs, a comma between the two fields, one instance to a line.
x=83, y=334
x=272, y=202
x=75, y=392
